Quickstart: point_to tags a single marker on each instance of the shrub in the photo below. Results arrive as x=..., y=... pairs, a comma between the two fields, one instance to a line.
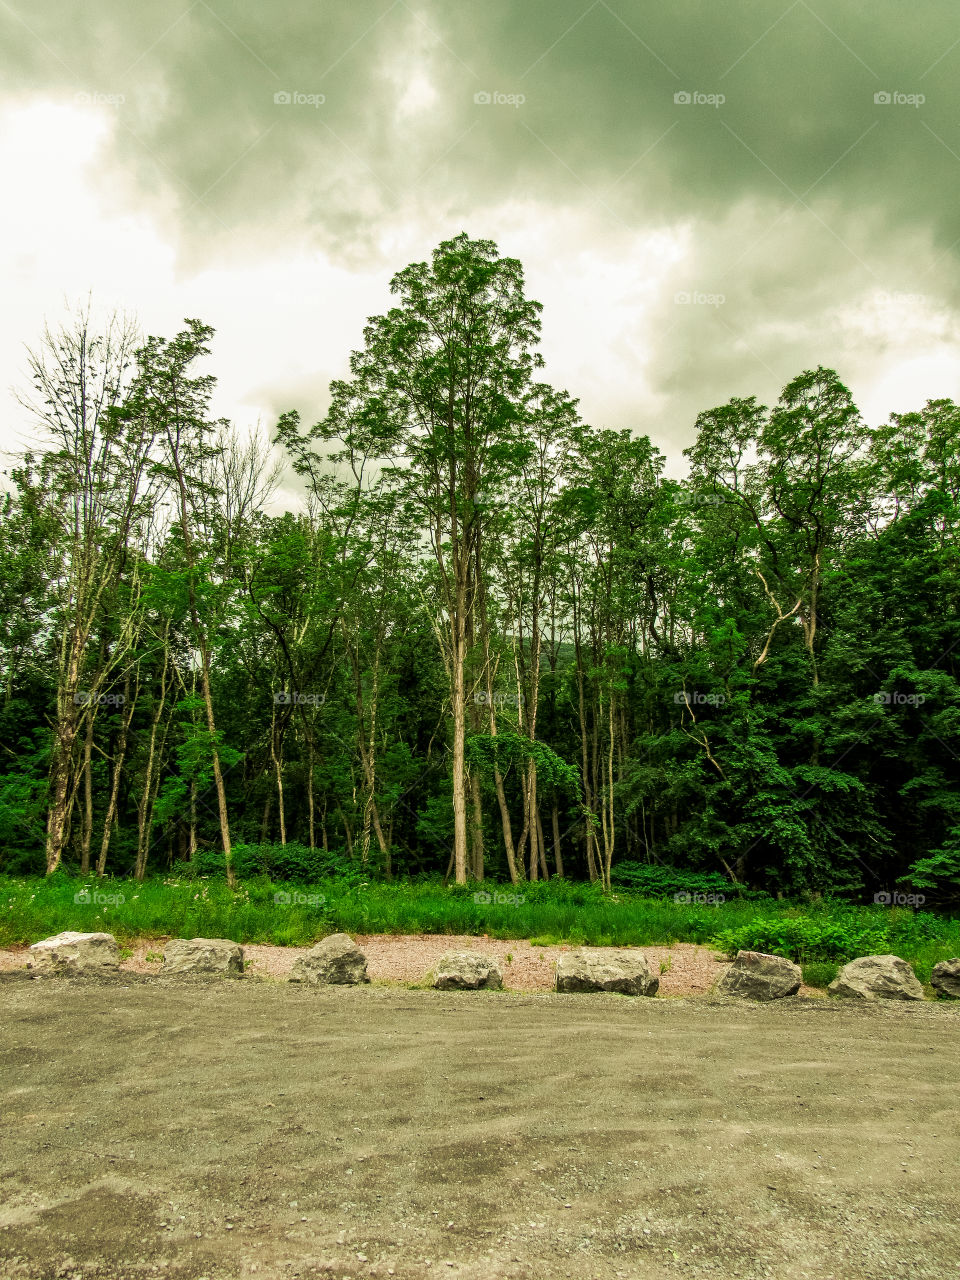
x=281, y=862
x=666, y=882
x=836, y=933
x=819, y=973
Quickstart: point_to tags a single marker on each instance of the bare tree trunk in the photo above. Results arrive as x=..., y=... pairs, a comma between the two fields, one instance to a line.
x=217, y=773
x=589, y=834
x=61, y=756
x=476, y=827
x=310, y=799
x=148, y=796
x=87, y=828
x=118, y=762
x=607, y=811
x=458, y=710
x=555, y=821
x=278, y=768
x=541, y=844
x=530, y=820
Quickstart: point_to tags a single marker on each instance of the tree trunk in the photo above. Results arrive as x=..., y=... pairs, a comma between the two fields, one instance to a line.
x=118, y=762
x=555, y=822
x=278, y=768
x=310, y=800
x=458, y=711
x=87, y=831
x=476, y=827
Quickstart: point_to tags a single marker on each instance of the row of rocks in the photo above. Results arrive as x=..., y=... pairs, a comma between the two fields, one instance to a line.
x=337, y=960
x=763, y=977
x=97, y=953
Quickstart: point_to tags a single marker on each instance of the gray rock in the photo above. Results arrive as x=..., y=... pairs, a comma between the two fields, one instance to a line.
x=467, y=971
x=88, y=953
x=945, y=979
x=336, y=960
x=624, y=971
x=757, y=976
x=203, y=955
x=877, y=978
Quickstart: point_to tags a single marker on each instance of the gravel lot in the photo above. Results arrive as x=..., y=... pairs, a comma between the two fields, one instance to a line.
x=228, y=1129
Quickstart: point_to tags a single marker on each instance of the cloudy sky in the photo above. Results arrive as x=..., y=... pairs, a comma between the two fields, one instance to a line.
x=706, y=198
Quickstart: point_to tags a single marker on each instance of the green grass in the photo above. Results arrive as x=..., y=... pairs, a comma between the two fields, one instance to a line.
x=819, y=973
x=824, y=933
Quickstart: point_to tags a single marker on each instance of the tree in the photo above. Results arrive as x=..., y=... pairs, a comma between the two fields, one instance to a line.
x=439, y=394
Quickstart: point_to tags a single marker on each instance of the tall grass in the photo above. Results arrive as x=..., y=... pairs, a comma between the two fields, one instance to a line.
x=260, y=911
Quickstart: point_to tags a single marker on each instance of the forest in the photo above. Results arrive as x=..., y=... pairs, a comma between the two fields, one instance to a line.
x=491, y=642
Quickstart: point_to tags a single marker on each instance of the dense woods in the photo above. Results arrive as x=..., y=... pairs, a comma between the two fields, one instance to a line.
x=492, y=641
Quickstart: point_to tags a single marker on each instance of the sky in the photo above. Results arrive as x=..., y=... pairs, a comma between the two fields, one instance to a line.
x=706, y=199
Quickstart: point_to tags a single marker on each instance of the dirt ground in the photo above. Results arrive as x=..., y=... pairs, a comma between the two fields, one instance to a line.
x=246, y=1128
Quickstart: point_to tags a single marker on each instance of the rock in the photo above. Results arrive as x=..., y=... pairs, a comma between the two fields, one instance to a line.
x=757, y=976
x=89, y=953
x=877, y=978
x=945, y=979
x=624, y=971
x=337, y=960
x=203, y=955
x=467, y=971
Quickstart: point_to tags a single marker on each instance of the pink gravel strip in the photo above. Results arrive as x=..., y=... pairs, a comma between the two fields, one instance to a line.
x=690, y=969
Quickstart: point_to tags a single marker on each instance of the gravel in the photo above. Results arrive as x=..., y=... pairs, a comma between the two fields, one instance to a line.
x=685, y=969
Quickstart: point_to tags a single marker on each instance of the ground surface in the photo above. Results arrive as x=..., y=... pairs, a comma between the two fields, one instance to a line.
x=250, y=1129
x=684, y=969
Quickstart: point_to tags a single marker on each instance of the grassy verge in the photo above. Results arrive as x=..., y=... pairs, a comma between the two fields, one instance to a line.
x=261, y=911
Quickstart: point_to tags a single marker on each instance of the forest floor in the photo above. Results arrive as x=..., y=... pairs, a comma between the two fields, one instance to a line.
x=684, y=968
x=225, y=1129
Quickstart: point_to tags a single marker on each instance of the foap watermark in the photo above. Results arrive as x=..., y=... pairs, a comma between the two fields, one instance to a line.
x=99, y=99
x=902, y=299
x=693, y=298
x=494, y=98
x=895, y=98
x=484, y=899
x=694, y=698
x=897, y=899
x=294, y=98
x=700, y=899
x=689, y=498
x=297, y=899
x=695, y=98
x=488, y=498
x=83, y=699
x=899, y=699
x=496, y=699
x=97, y=898
x=293, y=698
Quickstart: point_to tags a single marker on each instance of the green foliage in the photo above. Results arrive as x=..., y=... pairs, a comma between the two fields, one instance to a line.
x=940, y=871
x=666, y=882
x=819, y=973
x=835, y=932
x=744, y=683
x=277, y=862
x=485, y=752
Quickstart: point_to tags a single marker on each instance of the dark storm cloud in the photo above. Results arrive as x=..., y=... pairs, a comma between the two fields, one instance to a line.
x=599, y=121
x=805, y=142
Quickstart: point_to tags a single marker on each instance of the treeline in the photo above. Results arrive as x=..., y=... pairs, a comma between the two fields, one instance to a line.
x=493, y=641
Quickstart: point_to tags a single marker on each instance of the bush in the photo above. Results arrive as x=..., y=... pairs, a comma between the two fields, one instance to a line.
x=819, y=973
x=667, y=882
x=295, y=863
x=836, y=933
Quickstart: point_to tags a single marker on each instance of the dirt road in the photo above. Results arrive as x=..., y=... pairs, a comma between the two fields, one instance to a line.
x=254, y=1129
